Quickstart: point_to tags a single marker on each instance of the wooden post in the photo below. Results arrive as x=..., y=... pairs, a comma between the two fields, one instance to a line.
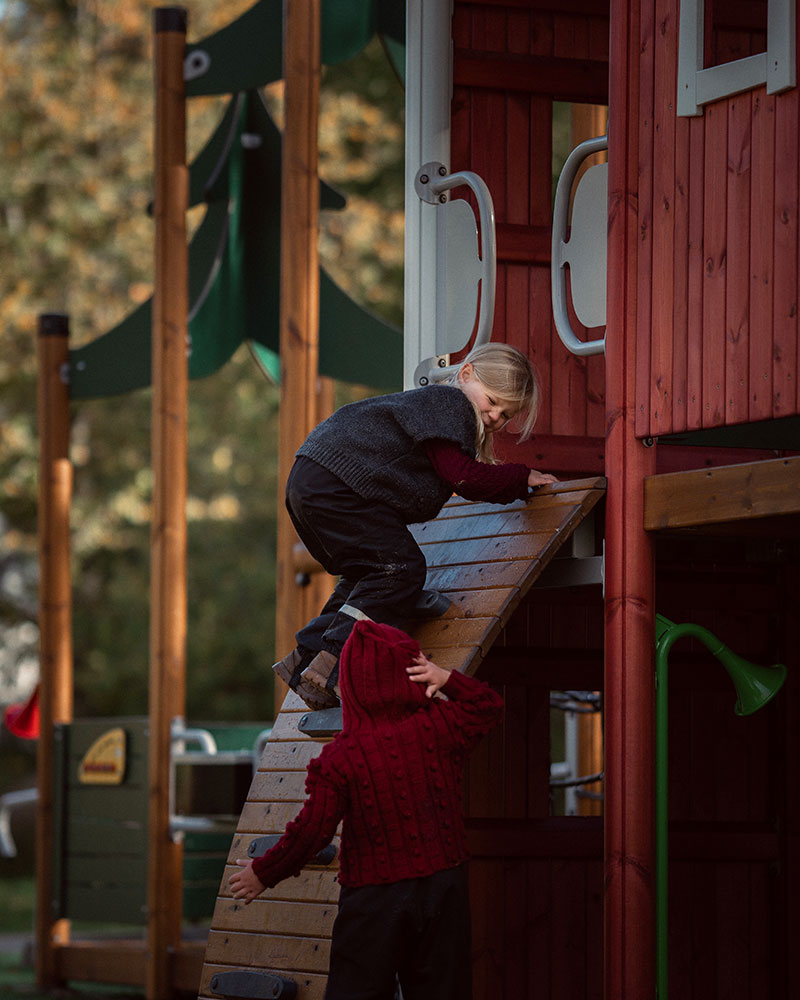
x=629, y=968
x=167, y=691
x=55, y=616
x=299, y=316
x=589, y=121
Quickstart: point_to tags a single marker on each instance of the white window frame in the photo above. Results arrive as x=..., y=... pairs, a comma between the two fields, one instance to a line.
x=698, y=86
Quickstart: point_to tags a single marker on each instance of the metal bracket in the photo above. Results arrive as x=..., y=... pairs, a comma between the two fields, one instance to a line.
x=576, y=565
x=260, y=845
x=254, y=985
x=432, y=182
x=317, y=725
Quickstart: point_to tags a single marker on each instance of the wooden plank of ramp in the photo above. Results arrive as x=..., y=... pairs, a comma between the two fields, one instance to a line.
x=485, y=558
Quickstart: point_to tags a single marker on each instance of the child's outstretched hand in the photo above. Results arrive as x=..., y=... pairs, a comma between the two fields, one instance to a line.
x=540, y=478
x=425, y=671
x=245, y=884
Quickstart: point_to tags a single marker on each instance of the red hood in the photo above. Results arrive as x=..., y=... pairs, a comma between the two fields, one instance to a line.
x=373, y=681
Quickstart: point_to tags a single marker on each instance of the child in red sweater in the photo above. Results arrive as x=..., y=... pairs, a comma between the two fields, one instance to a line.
x=393, y=778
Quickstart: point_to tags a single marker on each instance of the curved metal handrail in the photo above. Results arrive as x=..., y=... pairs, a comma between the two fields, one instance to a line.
x=431, y=183
x=558, y=277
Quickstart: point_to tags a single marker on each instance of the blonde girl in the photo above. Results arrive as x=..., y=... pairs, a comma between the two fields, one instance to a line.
x=376, y=466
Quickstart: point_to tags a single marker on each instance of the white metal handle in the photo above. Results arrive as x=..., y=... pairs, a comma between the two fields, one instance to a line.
x=431, y=183
x=558, y=276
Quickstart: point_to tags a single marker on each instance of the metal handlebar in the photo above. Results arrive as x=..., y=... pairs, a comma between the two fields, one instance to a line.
x=558, y=256
x=431, y=183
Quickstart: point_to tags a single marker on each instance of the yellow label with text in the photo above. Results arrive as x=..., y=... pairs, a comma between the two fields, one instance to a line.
x=104, y=761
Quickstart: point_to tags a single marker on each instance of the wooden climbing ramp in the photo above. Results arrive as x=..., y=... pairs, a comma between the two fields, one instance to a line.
x=486, y=558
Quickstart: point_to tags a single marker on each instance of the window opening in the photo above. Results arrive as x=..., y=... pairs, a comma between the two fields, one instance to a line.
x=712, y=63
x=576, y=753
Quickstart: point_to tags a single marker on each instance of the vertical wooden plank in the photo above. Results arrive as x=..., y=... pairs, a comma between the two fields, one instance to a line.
x=55, y=617
x=515, y=735
x=787, y=789
x=715, y=253
x=629, y=929
x=702, y=915
x=568, y=372
x=299, y=312
x=167, y=681
x=784, y=348
x=540, y=950
x=663, y=138
x=516, y=929
x=731, y=925
x=695, y=280
x=680, y=266
x=569, y=933
x=762, y=238
x=737, y=286
x=537, y=751
x=644, y=251
x=519, y=151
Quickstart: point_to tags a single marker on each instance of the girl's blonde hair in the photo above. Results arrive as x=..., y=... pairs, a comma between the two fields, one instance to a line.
x=506, y=373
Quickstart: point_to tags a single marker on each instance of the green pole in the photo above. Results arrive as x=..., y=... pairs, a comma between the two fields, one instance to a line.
x=756, y=686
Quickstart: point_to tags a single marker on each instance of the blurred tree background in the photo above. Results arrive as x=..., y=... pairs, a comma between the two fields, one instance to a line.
x=75, y=181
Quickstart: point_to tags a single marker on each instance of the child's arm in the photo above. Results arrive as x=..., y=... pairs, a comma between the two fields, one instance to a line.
x=311, y=830
x=473, y=480
x=472, y=708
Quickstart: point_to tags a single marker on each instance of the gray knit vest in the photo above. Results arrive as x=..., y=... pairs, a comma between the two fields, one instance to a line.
x=377, y=446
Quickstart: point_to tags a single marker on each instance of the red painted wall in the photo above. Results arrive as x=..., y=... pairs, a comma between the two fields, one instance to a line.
x=718, y=256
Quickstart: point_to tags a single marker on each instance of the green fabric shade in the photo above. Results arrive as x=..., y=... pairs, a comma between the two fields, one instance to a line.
x=234, y=278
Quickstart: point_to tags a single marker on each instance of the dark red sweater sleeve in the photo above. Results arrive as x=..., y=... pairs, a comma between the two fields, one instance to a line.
x=312, y=829
x=475, y=480
x=472, y=708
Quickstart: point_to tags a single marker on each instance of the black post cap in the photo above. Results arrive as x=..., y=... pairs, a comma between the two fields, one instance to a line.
x=170, y=19
x=53, y=325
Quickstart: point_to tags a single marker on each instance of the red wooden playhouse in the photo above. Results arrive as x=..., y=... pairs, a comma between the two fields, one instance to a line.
x=675, y=431
x=634, y=831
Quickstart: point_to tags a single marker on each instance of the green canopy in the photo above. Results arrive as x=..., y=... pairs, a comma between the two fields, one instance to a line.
x=234, y=278
x=248, y=52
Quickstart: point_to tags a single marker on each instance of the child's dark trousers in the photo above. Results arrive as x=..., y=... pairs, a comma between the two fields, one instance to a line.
x=365, y=542
x=417, y=930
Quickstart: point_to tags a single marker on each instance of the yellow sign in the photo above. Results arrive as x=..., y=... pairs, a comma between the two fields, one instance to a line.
x=104, y=761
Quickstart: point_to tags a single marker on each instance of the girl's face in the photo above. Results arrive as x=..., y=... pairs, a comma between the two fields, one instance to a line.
x=495, y=412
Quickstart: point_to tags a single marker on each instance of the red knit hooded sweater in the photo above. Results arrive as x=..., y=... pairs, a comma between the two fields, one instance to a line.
x=394, y=773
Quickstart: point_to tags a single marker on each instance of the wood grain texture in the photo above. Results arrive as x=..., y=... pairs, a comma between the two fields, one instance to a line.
x=727, y=493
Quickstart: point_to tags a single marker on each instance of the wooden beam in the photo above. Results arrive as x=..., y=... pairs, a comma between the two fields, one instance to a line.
x=55, y=617
x=582, y=80
x=299, y=312
x=629, y=844
x=168, y=606
x=723, y=494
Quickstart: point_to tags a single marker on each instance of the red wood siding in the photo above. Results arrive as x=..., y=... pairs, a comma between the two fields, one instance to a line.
x=536, y=880
x=718, y=254
x=510, y=62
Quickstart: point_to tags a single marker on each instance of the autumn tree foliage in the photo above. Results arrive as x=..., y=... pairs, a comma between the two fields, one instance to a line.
x=75, y=236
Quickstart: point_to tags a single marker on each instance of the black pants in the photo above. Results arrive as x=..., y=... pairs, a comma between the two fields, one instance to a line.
x=364, y=542
x=417, y=930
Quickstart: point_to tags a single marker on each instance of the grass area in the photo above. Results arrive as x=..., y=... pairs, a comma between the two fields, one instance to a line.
x=16, y=913
x=17, y=977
